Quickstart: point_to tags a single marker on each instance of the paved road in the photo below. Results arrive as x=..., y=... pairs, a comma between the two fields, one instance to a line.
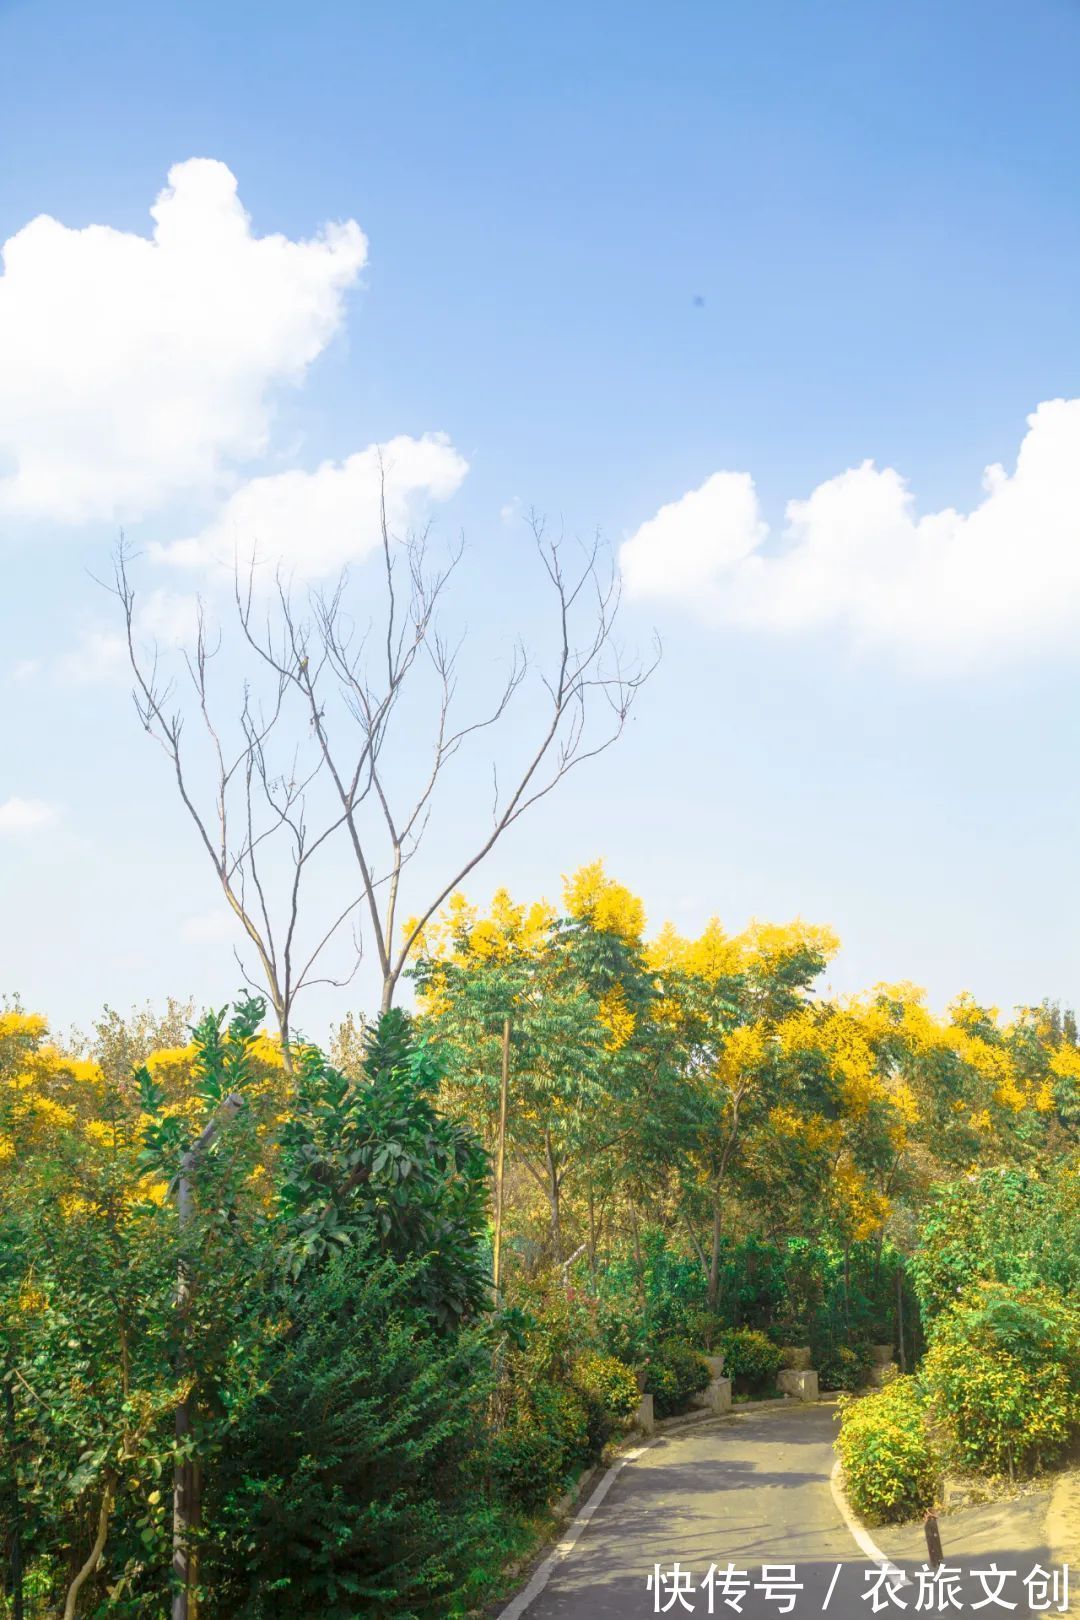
x=754, y=1492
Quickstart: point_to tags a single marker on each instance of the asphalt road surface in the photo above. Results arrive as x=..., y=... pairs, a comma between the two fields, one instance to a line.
x=756, y=1493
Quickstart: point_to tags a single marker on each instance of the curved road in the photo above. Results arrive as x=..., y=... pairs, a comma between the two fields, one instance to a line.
x=755, y=1492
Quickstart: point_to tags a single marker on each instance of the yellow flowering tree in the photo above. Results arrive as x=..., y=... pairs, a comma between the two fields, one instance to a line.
x=578, y=996
x=90, y=1338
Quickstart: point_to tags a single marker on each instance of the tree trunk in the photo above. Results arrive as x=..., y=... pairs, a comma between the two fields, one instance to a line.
x=553, y=1198
x=500, y=1160
x=96, y=1550
x=286, y=1042
x=696, y=1243
x=847, y=1290
x=16, y=1506
x=714, y=1263
x=592, y=1239
x=638, y=1261
x=187, y=1482
x=900, y=1319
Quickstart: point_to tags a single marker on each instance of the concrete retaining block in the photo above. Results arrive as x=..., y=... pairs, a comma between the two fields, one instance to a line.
x=718, y=1395
x=800, y=1384
x=645, y=1417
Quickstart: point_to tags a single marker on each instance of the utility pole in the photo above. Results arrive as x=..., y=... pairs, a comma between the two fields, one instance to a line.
x=187, y=1504
x=500, y=1159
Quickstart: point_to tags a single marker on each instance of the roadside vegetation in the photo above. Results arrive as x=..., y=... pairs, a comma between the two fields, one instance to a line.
x=995, y=1274
x=261, y=1275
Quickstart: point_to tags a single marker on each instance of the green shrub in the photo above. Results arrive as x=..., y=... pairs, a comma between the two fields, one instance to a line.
x=623, y=1330
x=352, y=1482
x=609, y=1392
x=843, y=1366
x=706, y=1329
x=1007, y=1226
x=1003, y=1375
x=750, y=1357
x=675, y=1372
x=544, y=1436
x=890, y=1467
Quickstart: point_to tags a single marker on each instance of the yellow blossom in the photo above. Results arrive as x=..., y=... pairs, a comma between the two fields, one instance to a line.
x=594, y=898
x=30, y=1026
x=616, y=1018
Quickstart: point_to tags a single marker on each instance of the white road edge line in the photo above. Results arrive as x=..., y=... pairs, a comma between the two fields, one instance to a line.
x=862, y=1536
x=517, y=1606
x=565, y=1545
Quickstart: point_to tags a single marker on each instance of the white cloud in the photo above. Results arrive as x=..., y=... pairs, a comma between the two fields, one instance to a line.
x=19, y=816
x=163, y=618
x=948, y=588
x=98, y=655
x=316, y=522
x=135, y=369
x=209, y=928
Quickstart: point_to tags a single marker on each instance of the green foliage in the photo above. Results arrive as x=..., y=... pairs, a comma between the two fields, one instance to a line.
x=575, y=1092
x=542, y=1439
x=844, y=1367
x=622, y=1329
x=819, y=1293
x=95, y=1354
x=338, y=1402
x=1003, y=1376
x=371, y=1158
x=351, y=1482
x=751, y=1357
x=1007, y=1226
x=609, y=1391
x=706, y=1330
x=674, y=1373
x=641, y=1304
x=890, y=1467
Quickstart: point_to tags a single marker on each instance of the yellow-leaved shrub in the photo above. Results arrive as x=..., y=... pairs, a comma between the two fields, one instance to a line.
x=891, y=1470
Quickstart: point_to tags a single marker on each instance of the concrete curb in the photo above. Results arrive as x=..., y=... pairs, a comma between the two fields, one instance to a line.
x=603, y=1477
x=858, y=1531
x=572, y=1533
x=567, y=1541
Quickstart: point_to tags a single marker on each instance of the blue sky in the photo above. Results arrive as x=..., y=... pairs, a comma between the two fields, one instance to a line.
x=613, y=251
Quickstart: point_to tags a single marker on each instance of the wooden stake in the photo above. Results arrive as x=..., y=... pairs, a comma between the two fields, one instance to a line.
x=187, y=1491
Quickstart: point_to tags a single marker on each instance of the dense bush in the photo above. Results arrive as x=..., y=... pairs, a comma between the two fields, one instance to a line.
x=750, y=1357
x=843, y=1367
x=1003, y=1377
x=890, y=1468
x=706, y=1330
x=542, y=1439
x=1006, y=1226
x=622, y=1329
x=351, y=1483
x=609, y=1391
x=675, y=1372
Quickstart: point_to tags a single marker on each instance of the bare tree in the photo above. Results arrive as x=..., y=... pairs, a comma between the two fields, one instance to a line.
x=251, y=818
x=352, y=679
x=336, y=682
